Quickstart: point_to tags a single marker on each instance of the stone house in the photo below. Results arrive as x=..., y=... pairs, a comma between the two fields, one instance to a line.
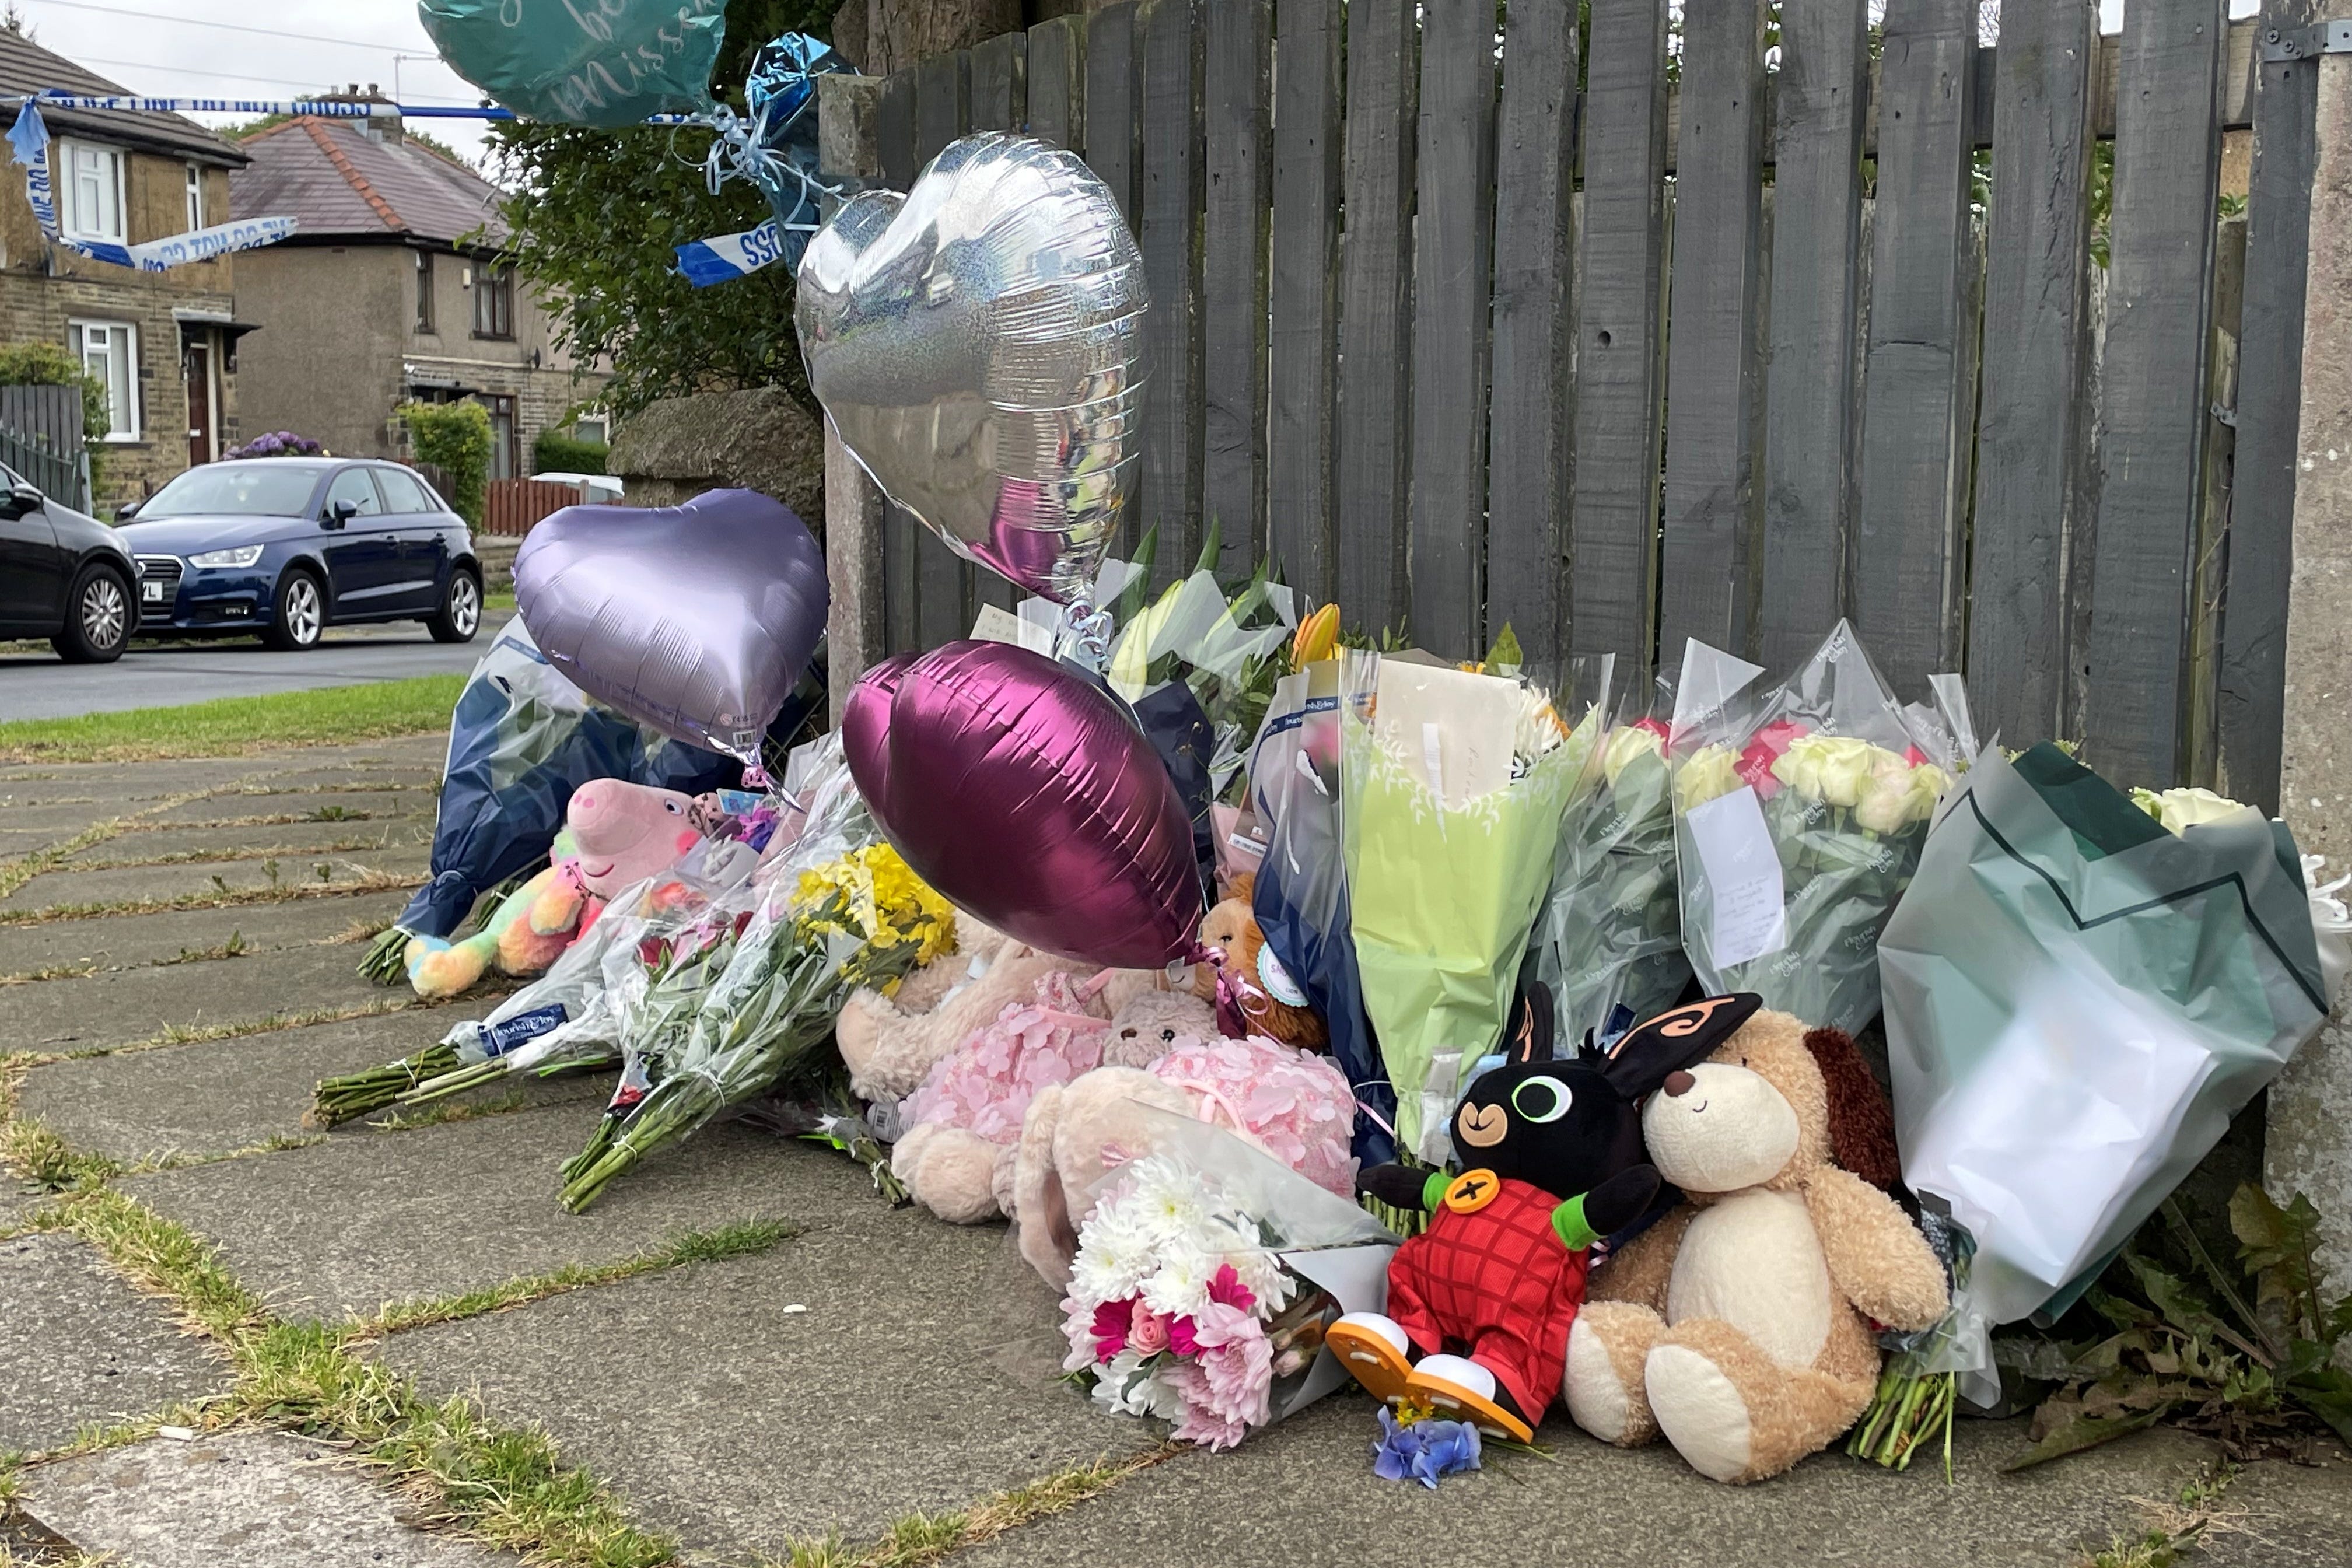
x=392, y=289
x=165, y=345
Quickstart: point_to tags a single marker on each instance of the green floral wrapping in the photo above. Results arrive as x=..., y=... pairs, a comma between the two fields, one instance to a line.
x=1442, y=903
x=1611, y=932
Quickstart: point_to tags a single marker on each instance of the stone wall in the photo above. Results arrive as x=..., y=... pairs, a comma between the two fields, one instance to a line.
x=760, y=439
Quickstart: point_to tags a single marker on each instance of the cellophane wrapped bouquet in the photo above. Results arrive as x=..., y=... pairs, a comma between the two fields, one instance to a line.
x=1609, y=941
x=1206, y=1275
x=733, y=1005
x=1452, y=786
x=1797, y=822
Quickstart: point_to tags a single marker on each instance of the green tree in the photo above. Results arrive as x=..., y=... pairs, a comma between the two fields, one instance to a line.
x=455, y=438
x=597, y=216
x=43, y=364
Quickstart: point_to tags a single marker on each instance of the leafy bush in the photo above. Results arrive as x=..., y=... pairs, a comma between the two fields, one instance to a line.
x=555, y=454
x=44, y=364
x=278, y=444
x=455, y=438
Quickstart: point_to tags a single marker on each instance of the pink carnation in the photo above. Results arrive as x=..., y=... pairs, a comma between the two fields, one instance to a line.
x=1110, y=1327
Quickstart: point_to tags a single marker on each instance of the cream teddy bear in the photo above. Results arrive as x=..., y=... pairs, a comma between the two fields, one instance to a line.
x=891, y=1043
x=1739, y=1326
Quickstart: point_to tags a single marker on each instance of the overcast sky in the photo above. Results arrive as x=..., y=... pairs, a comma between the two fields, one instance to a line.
x=235, y=48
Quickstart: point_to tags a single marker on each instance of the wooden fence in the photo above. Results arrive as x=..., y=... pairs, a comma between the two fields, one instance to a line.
x=512, y=507
x=1626, y=346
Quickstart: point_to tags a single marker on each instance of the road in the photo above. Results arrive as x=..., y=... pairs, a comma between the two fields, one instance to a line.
x=36, y=684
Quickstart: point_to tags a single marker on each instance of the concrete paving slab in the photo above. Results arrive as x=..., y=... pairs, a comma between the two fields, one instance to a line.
x=223, y=1095
x=59, y=820
x=231, y=806
x=124, y=940
x=263, y=1499
x=1304, y=1493
x=63, y=888
x=739, y=1427
x=359, y=836
x=437, y=1210
x=124, y=1006
x=82, y=1347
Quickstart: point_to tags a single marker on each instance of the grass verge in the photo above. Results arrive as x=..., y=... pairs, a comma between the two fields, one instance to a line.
x=233, y=726
x=921, y=1538
x=367, y=882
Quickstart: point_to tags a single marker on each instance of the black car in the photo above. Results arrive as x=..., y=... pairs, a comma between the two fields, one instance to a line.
x=286, y=546
x=64, y=576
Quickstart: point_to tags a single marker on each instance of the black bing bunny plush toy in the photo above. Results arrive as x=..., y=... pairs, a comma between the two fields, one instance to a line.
x=1481, y=1302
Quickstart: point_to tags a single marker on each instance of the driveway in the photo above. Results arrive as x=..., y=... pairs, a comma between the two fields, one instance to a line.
x=36, y=684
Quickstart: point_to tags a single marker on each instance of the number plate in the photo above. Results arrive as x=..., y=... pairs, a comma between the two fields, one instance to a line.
x=152, y=592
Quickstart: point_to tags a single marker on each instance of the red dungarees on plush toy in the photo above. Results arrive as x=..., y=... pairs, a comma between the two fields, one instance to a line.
x=1486, y=1296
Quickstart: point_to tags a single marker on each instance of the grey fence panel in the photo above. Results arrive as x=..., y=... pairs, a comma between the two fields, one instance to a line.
x=2252, y=673
x=2030, y=479
x=944, y=582
x=1612, y=549
x=1907, y=556
x=1825, y=81
x=1375, y=297
x=1303, y=373
x=2152, y=396
x=1453, y=268
x=1236, y=88
x=1170, y=208
x=1114, y=93
x=1712, y=521
x=50, y=416
x=1057, y=82
x=903, y=541
x=999, y=83
x=1526, y=487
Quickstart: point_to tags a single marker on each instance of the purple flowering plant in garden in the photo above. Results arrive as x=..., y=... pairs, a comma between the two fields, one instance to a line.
x=278, y=444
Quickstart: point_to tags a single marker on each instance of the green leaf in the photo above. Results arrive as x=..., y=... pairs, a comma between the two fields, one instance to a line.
x=2087, y=1432
x=2327, y=1393
x=1131, y=598
x=1211, y=543
x=2279, y=1247
x=1505, y=654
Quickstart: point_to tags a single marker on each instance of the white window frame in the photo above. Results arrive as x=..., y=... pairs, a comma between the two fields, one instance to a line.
x=604, y=428
x=196, y=198
x=76, y=223
x=78, y=340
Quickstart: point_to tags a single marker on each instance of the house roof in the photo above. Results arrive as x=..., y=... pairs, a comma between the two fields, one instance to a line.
x=27, y=68
x=342, y=184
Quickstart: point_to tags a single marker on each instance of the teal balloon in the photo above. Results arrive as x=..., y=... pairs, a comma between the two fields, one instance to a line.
x=583, y=62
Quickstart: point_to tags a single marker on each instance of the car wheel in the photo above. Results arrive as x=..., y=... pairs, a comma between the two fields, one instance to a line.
x=299, y=615
x=97, y=618
x=461, y=613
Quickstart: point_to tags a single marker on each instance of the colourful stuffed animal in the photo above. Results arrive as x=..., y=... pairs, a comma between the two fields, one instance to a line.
x=532, y=926
x=1739, y=1326
x=1271, y=1003
x=1551, y=1158
x=1294, y=1105
x=624, y=833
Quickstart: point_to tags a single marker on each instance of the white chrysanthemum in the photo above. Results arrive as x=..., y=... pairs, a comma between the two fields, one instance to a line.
x=1180, y=1286
x=1113, y=1258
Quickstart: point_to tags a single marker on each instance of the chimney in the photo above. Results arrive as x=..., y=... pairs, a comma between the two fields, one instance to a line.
x=383, y=121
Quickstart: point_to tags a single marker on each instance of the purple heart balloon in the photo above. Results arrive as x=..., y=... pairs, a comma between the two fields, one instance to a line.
x=695, y=619
x=1027, y=796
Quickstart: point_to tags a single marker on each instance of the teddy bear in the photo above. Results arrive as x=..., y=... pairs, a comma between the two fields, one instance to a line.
x=1550, y=1152
x=1739, y=1325
x=1295, y=1106
x=1272, y=1004
x=964, y=1122
x=891, y=1043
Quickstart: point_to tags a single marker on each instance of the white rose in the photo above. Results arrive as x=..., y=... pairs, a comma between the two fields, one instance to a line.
x=1624, y=745
x=2183, y=808
x=1709, y=772
x=1886, y=806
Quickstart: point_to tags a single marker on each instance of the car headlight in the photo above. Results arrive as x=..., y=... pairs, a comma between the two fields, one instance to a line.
x=242, y=555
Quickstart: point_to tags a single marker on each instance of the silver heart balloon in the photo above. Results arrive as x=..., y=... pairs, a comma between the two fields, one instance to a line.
x=979, y=344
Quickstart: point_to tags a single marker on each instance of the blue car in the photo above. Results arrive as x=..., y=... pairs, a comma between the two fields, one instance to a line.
x=285, y=547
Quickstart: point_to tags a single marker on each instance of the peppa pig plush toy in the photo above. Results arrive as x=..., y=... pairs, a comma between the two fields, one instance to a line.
x=616, y=833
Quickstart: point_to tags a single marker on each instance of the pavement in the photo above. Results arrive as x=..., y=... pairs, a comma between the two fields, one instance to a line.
x=36, y=684
x=870, y=1379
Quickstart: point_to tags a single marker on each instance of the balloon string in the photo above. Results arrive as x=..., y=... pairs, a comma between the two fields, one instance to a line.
x=1089, y=628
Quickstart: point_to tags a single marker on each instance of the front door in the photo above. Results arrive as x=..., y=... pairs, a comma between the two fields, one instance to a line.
x=196, y=362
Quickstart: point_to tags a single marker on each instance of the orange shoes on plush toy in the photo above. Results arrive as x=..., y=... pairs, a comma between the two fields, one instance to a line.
x=1377, y=1354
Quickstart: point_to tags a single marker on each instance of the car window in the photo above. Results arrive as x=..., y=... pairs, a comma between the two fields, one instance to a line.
x=354, y=485
x=262, y=487
x=402, y=493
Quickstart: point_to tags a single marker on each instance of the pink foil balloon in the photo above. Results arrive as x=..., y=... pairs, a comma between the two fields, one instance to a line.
x=866, y=727
x=1026, y=796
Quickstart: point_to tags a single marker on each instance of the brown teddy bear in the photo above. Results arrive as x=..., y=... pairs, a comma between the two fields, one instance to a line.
x=1272, y=1004
x=1739, y=1325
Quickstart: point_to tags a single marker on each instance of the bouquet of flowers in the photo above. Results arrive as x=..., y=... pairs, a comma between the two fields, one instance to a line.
x=731, y=1013
x=1798, y=824
x=1609, y=942
x=1452, y=785
x=1206, y=1275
